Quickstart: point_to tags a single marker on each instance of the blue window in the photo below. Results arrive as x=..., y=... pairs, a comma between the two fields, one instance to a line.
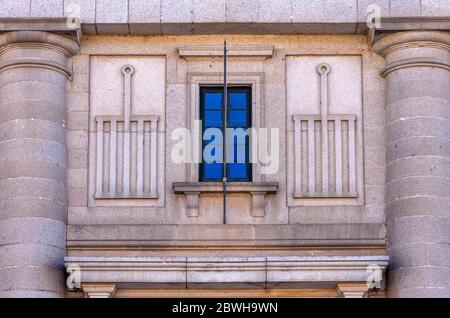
x=238, y=118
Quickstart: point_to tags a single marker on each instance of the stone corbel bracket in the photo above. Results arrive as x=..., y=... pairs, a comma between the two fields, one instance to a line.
x=258, y=191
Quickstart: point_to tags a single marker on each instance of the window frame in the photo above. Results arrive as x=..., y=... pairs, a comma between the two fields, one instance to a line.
x=203, y=89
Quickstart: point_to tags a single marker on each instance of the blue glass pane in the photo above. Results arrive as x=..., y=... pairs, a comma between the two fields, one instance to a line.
x=208, y=138
x=237, y=170
x=213, y=101
x=213, y=119
x=237, y=118
x=238, y=100
x=240, y=153
x=212, y=170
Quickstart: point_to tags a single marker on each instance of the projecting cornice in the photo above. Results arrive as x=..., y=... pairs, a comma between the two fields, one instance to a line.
x=172, y=17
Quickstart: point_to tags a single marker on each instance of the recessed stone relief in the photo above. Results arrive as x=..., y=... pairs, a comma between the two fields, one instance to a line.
x=126, y=151
x=325, y=132
x=126, y=122
x=324, y=147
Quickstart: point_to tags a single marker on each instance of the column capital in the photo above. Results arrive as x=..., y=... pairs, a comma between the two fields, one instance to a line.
x=413, y=48
x=36, y=49
x=32, y=37
x=386, y=43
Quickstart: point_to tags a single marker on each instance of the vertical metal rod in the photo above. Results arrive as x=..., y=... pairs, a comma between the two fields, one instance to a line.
x=225, y=106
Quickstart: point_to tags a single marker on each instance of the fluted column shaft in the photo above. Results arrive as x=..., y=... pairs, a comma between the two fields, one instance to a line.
x=33, y=169
x=417, y=78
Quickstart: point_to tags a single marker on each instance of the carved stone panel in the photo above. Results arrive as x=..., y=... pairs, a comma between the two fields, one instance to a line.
x=126, y=139
x=324, y=106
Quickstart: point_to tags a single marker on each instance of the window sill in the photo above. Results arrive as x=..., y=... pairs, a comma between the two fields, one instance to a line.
x=258, y=191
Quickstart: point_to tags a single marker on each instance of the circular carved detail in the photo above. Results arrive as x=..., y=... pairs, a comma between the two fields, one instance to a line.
x=323, y=68
x=127, y=69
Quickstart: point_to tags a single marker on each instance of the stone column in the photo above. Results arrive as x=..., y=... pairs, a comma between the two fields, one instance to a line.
x=417, y=78
x=33, y=195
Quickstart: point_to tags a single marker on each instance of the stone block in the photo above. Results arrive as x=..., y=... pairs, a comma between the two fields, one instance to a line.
x=115, y=215
x=77, y=139
x=77, y=158
x=39, y=110
x=435, y=8
x=78, y=121
x=396, y=91
x=26, y=128
x=274, y=11
x=419, y=254
x=15, y=8
x=176, y=11
x=366, y=9
x=35, y=74
x=212, y=11
x=112, y=17
x=374, y=156
x=374, y=137
x=308, y=11
x=375, y=175
x=419, y=292
x=410, y=127
x=418, y=166
x=32, y=254
x=31, y=150
x=413, y=107
x=32, y=90
x=47, y=8
x=77, y=178
x=419, y=205
x=420, y=277
x=77, y=197
x=86, y=7
x=80, y=64
x=408, y=230
x=79, y=83
x=32, y=207
x=242, y=11
x=29, y=293
x=144, y=11
x=32, y=230
x=417, y=146
x=33, y=187
x=310, y=232
x=111, y=11
x=37, y=169
x=417, y=185
x=374, y=194
x=32, y=278
x=401, y=8
x=78, y=101
x=340, y=11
